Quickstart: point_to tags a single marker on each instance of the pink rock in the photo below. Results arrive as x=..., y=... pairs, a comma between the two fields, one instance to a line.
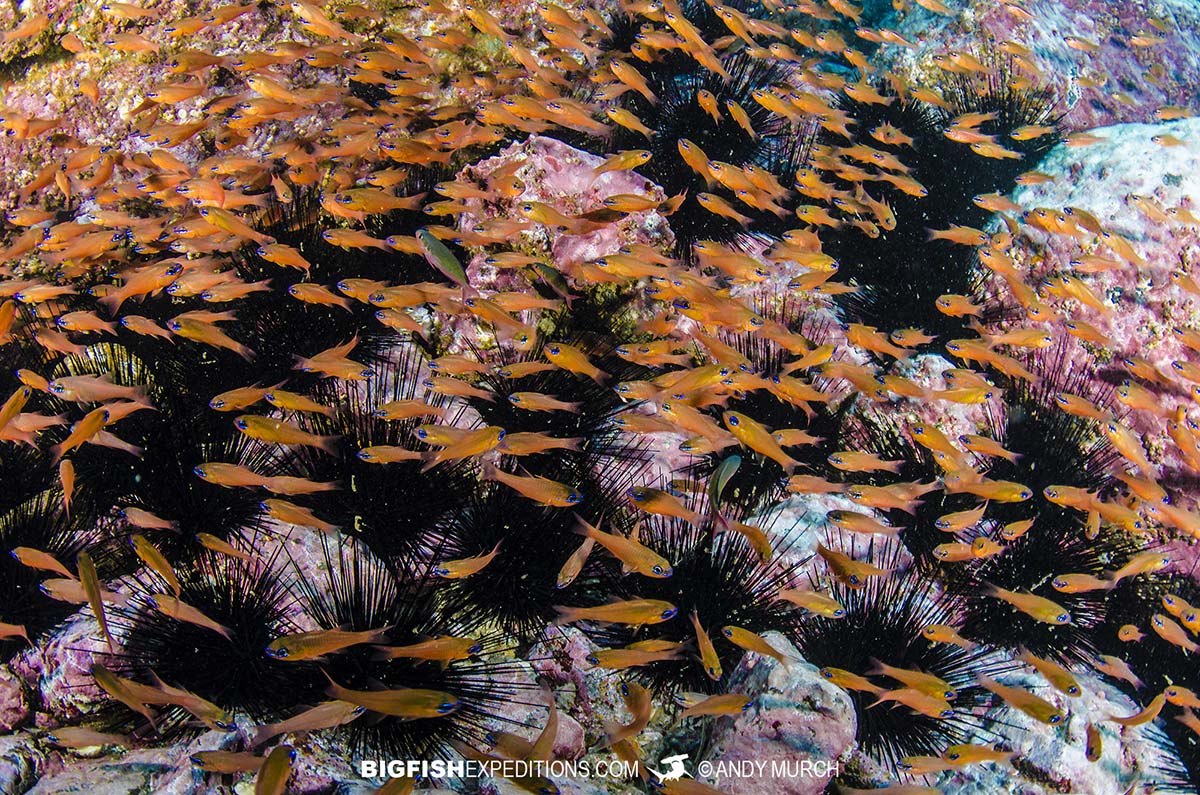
x=1055, y=755
x=561, y=176
x=14, y=705
x=21, y=762
x=569, y=741
x=62, y=667
x=1142, y=306
x=796, y=716
x=1116, y=66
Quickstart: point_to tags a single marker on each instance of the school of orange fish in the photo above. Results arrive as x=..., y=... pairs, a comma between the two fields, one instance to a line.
x=136, y=249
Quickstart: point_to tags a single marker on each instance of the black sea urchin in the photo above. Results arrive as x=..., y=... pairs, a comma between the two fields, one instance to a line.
x=362, y=593
x=884, y=622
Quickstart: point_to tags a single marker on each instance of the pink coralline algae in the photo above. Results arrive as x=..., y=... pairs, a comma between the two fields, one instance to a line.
x=1107, y=61
x=796, y=717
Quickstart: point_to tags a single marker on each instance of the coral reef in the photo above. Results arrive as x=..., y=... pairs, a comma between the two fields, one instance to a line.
x=668, y=391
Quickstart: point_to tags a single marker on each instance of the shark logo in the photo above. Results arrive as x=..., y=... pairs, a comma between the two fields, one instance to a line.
x=676, y=770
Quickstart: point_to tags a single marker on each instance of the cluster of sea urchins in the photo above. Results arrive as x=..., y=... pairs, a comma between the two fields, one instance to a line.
x=488, y=466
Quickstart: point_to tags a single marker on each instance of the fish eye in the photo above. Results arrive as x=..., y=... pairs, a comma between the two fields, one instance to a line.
x=200, y=471
x=446, y=706
x=657, y=569
x=593, y=659
x=1054, y=719
x=733, y=421
x=1064, y=618
x=839, y=613
x=668, y=613
x=554, y=350
x=1073, y=690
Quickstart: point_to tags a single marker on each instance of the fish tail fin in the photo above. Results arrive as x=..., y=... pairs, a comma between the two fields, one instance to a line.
x=672, y=205
x=582, y=527
x=564, y=615
x=601, y=377
x=381, y=653
x=56, y=453
x=974, y=325
x=894, y=467
x=329, y=444
x=261, y=735
x=335, y=690
x=488, y=471
x=156, y=682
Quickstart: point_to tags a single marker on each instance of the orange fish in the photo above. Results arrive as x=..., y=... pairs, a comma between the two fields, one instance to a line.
x=637, y=612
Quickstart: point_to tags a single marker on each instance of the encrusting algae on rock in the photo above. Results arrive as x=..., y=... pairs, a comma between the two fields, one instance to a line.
x=580, y=384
